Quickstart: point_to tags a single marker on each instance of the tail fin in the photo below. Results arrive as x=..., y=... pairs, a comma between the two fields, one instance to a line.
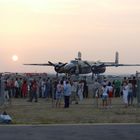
x=79, y=56
x=117, y=58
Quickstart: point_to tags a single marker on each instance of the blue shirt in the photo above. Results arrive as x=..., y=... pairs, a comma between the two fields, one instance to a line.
x=67, y=90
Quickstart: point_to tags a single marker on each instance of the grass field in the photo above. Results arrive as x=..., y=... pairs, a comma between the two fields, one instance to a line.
x=43, y=112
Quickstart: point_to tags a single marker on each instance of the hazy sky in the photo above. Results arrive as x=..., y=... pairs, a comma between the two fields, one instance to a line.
x=55, y=30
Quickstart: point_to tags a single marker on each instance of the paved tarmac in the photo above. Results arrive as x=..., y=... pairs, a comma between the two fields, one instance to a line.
x=71, y=132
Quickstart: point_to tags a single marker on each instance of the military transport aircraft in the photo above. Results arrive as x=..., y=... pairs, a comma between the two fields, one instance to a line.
x=79, y=66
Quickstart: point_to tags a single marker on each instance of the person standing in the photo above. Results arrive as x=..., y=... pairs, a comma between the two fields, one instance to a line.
x=110, y=94
x=16, y=85
x=74, y=95
x=80, y=90
x=134, y=85
x=104, y=96
x=125, y=93
x=33, y=91
x=6, y=94
x=59, y=93
x=96, y=91
x=24, y=89
x=43, y=88
x=85, y=89
x=12, y=88
x=67, y=93
x=117, y=88
x=130, y=93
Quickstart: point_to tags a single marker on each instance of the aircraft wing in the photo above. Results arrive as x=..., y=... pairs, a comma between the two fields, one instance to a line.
x=118, y=65
x=43, y=64
x=59, y=64
x=108, y=64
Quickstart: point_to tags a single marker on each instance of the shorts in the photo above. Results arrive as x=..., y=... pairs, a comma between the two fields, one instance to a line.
x=110, y=95
x=58, y=95
x=104, y=97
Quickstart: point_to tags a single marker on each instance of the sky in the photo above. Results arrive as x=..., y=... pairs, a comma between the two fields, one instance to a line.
x=38, y=31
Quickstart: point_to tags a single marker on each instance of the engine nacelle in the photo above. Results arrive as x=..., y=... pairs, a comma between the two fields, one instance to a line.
x=98, y=69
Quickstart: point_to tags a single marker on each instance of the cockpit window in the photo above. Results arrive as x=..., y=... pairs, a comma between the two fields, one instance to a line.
x=73, y=61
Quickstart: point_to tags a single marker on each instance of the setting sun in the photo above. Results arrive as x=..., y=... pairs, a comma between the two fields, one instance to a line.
x=14, y=57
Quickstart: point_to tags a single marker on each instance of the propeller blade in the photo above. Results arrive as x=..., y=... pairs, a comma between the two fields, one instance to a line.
x=87, y=63
x=52, y=64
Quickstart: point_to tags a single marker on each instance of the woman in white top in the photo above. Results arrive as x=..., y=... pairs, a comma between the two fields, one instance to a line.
x=125, y=93
x=59, y=93
x=104, y=96
x=80, y=90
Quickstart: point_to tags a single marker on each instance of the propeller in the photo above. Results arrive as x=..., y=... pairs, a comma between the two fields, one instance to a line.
x=91, y=67
x=57, y=66
x=95, y=68
x=51, y=64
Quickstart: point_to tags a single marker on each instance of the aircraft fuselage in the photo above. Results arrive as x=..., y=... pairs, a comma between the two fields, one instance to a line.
x=79, y=67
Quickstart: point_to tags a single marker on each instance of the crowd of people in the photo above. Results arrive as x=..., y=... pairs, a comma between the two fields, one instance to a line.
x=56, y=88
x=125, y=88
x=69, y=91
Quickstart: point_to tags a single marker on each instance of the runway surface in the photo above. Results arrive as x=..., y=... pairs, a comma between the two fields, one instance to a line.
x=71, y=132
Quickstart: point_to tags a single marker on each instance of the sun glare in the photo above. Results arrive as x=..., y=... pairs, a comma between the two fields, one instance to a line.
x=14, y=57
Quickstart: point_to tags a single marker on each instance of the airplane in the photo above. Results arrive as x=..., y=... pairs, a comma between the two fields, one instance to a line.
x=79, y=66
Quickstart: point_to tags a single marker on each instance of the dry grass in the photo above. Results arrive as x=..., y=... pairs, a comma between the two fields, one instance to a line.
x=24, y=112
